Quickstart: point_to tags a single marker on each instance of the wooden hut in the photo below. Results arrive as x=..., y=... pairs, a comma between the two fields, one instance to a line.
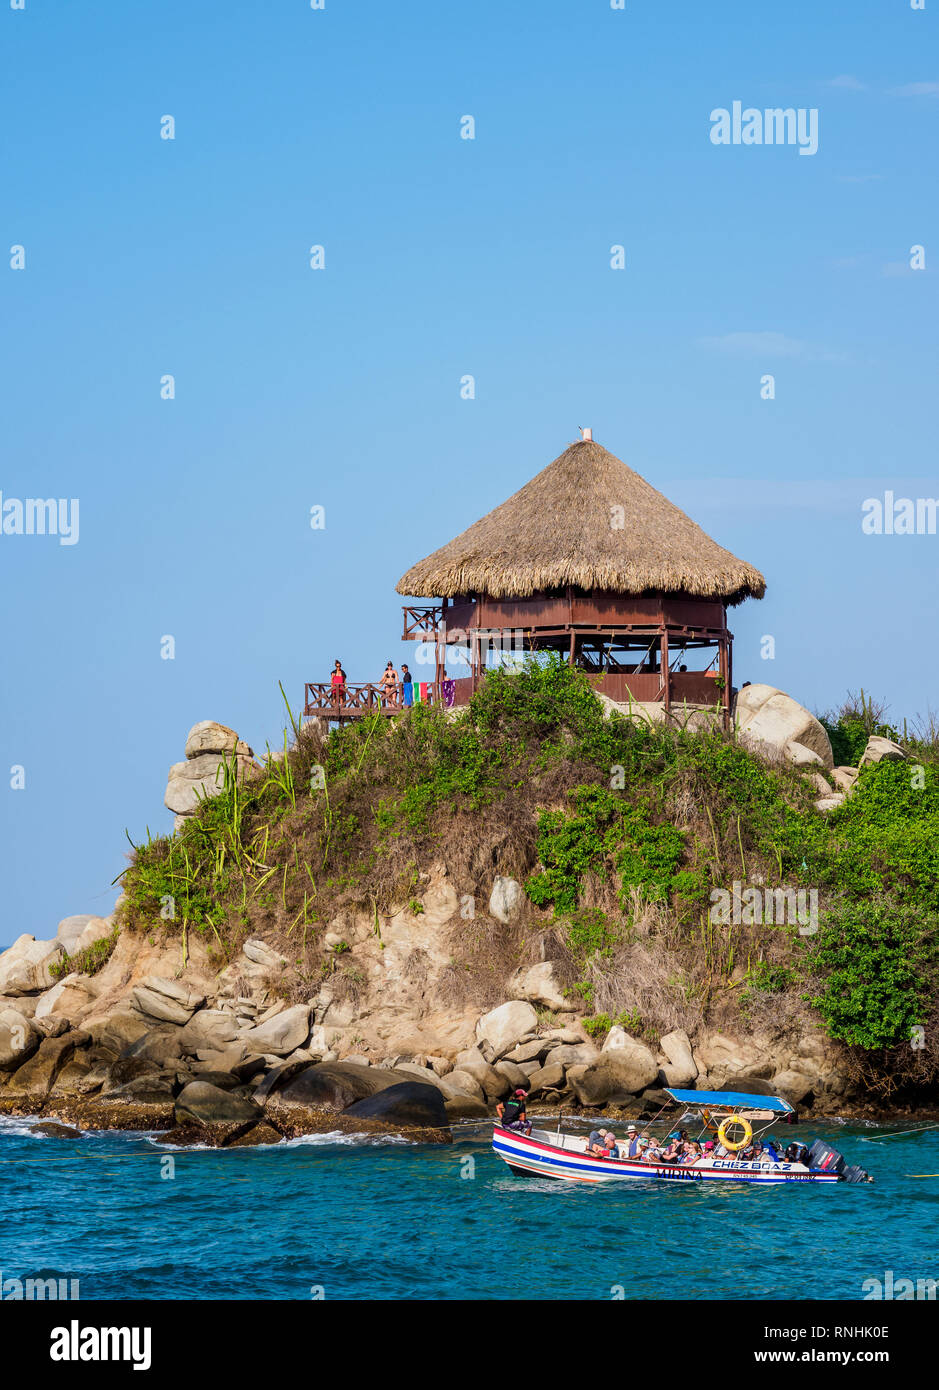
x=587, y=559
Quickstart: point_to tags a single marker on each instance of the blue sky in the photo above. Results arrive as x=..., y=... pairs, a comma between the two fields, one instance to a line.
x=444, y=257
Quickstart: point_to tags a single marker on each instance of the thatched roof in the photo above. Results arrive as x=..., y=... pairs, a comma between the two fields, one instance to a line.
x=556, y=530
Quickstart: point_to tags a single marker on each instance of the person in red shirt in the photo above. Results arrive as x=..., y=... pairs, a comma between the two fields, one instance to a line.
x=338, y=684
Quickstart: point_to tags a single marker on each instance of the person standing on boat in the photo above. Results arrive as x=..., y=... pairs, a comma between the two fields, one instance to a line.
x=512, y=1114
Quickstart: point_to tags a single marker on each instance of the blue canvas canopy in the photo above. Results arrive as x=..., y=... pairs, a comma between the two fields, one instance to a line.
x=733, y=1098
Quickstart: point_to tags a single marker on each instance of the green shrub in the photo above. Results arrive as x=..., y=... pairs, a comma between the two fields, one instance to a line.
x=89, y=961
x=878, y=966
x=603, y=830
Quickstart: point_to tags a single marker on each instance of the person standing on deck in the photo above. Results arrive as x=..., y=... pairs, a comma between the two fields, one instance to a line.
x=389, y=685
x=407, y=687
x=338, y=684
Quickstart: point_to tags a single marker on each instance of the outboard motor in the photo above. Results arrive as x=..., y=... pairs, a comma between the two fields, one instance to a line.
x=823, y=1156
x=852, y=1173
x=796, y=1152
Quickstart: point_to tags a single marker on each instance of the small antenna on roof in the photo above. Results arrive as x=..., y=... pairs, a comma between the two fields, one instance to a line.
x=586, y=432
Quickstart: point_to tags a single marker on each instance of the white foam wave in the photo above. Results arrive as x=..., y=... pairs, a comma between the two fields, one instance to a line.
x=18, y=1126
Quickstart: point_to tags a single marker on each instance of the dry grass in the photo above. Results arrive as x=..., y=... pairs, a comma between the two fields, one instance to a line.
x=555, y=531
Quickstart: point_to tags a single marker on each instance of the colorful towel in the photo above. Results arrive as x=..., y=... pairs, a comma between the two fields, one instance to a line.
x=448, y=690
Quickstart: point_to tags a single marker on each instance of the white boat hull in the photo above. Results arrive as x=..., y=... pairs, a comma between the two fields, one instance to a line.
x=538, y=1155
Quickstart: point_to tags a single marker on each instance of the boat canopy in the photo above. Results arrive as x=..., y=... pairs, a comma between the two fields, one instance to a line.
x=733, y=1098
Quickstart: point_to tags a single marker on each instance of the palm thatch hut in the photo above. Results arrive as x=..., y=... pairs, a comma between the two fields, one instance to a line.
x=590, y=560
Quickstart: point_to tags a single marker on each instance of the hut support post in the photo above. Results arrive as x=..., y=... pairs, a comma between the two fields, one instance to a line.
x=666, y=673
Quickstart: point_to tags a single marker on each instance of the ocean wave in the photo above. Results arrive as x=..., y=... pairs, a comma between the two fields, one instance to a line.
x=338, y=1137
x=18, y=1126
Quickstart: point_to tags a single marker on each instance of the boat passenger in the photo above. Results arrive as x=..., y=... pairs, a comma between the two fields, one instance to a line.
x=602, y=1143
x=672, y=1151
x=632, y=1142
x=595, y=1143
x=512, y=1114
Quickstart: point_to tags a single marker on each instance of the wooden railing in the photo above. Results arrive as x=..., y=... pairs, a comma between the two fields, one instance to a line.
x=421, y=622
x=322, y=698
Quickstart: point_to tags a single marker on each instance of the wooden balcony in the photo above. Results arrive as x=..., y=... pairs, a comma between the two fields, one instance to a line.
x=351, y=701
x=420, y=623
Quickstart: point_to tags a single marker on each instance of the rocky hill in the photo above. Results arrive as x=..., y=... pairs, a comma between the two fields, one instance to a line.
x=396, y=923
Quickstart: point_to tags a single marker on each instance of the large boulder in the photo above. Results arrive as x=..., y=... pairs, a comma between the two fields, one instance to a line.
x=169, y=1001
x=201, y=1103
x=337, y=1085
x=505, y=1026
x=68, y=999
x=25, y=968
x=492, y=1083
x=209, y=737
x=77, y=934
x=723, y=1057
x=581, y=1054
x=260, y=953
x=282, y=1034
x=767, y=715
x=512, y=1073
x=531, y=1051
x=209, y=1028
x=880, y=748
x=506, y=900
x=547, y=1078
x=462, y=1083
x=35, y=1078
x=18, y=1039
x=681, y=1069
x=800, y=755
x=625, y=1067
x=117, y=1029
x=539, y=985
x=276, y=1078
x=792, y=1086
x=190, y=782
x=160, y=1046
x=410, y=1104
x=465, y=1108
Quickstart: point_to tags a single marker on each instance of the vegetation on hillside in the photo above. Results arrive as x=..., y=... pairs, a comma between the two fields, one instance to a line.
x=620, y=832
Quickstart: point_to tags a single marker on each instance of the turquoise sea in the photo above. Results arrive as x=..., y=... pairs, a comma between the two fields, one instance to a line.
x=345, y=1218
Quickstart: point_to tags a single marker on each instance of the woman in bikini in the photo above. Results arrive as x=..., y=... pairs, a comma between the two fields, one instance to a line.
x=389, y=684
